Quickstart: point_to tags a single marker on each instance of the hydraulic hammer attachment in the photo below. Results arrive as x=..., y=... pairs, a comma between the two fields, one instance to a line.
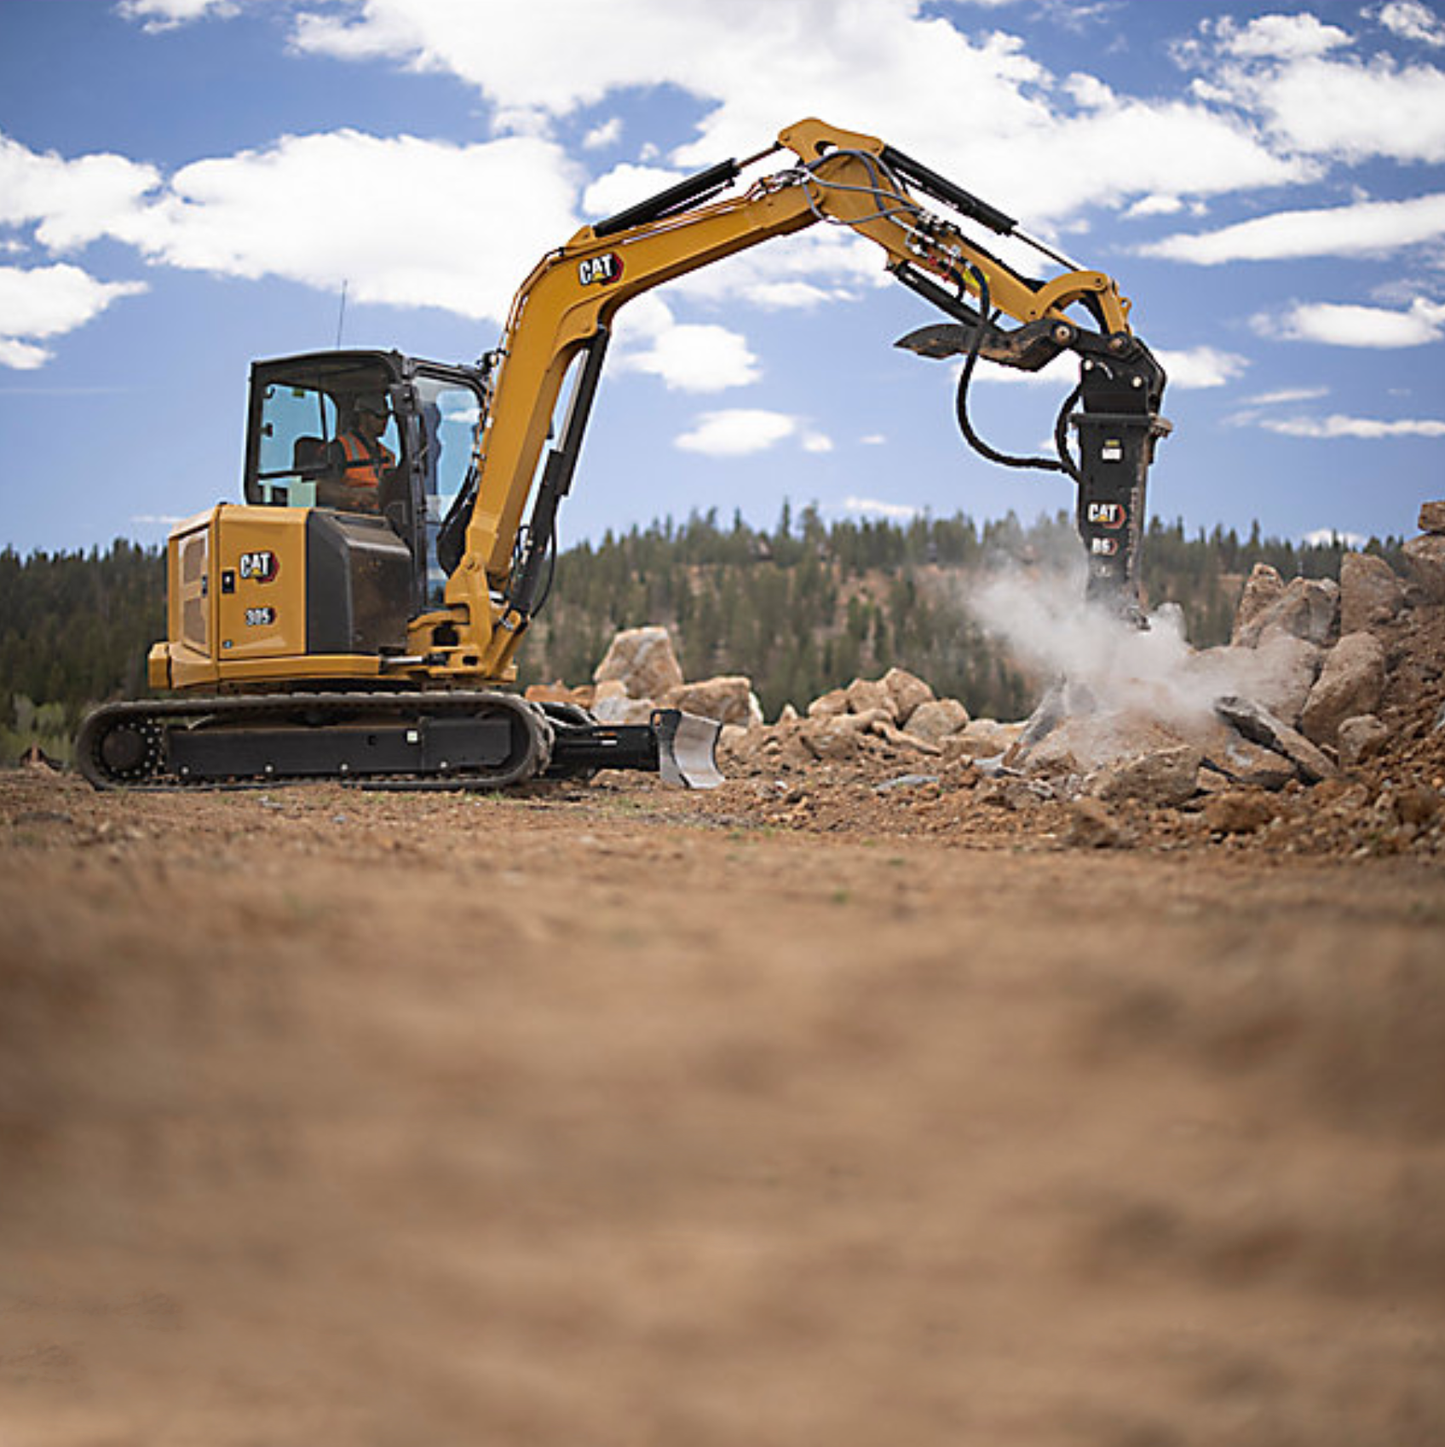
x=1117, y=432
x=1121, y=387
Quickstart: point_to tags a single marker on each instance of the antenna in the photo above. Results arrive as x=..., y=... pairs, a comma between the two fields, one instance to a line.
x=341, y=314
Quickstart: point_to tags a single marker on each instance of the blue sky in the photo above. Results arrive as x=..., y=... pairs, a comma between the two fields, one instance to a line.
x=186, y=185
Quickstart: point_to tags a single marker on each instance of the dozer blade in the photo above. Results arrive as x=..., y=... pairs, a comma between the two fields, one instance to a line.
x=687, y=749
x=679, y=747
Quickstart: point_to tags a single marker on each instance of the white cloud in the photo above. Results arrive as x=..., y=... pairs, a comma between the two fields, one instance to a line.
x=742, y=430
x=158, y=15
x=1338, y=325
x=71, y=202
x=1337, y=425
x=874, y=507
x=1155, y=205
x=1282, y=72
x=1365, y=228
x=1189, y=369
x=1007, y=132
x=1412, y=21
x=1286, y=394
x=606, y=134
x=22, y=356
x=1324, y=537
x=695, y=358
x=1282, y=37
x=1200, y=367
x=49, y=301
x=625, y=186
x=403, y=221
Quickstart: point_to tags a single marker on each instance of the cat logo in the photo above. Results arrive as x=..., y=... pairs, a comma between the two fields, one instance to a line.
x=259, y=567
x=1105, y=514
x=599, y=269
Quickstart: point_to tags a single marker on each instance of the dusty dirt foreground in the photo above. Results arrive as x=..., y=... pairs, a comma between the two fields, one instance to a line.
x=599, y=1116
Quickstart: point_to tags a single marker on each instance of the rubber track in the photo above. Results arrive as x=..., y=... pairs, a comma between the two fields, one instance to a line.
x=389, y=708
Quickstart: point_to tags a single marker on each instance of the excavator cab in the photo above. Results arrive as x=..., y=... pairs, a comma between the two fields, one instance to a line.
x=301, y=411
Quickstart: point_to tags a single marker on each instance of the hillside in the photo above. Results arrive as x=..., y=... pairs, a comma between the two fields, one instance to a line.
x=801, y=609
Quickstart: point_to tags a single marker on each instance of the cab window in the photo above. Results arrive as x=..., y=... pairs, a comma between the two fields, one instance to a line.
x=451, y=417
x=299, y=424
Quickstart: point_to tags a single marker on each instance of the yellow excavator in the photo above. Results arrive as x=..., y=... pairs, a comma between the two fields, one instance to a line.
x=358, y=616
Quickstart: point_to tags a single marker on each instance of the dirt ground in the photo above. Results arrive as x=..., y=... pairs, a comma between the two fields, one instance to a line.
x=609, y=1116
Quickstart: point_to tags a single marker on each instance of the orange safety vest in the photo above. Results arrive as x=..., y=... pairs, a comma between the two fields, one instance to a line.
x=363, y=468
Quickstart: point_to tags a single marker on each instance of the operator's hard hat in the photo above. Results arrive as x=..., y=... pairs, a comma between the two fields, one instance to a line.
x=372, y=402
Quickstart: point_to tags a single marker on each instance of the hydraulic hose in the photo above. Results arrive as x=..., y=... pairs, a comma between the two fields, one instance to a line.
x=1063, y=463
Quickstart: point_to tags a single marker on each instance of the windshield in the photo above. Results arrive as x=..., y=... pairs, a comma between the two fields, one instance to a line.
x=451, y=417
x=300, y=420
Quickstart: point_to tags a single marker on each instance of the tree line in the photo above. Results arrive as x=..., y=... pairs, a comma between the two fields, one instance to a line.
x=802, y=607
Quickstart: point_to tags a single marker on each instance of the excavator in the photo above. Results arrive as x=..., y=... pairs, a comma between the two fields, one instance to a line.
x=358, y=616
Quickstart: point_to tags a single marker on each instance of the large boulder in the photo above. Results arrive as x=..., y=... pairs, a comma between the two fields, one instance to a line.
x=938, y=720
x=728, y=698
x=1308, y=608
x=1260, y=726
x=1350, y=683
x=1262, y=588
x=830, y=704
x=1425, y=558
x=642, y=659
x=1432, y=517
x=1242, y=760
x=611, y=704
x=907, y=691
x=1162, y=777
x=1279, y=673
x=1370, y=593
x=866, y=694
x=982, y=738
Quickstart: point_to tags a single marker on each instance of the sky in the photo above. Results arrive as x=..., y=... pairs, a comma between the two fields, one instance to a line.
x=188, y=185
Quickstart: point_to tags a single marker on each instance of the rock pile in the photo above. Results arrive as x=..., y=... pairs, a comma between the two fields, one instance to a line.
x=1321, y=724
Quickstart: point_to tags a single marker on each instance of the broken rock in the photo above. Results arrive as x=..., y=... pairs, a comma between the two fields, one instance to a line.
x=1425, y=558
x=1163, y=777
x=1350, y=683
x=1361, y=738
x=1238, y=812
x=1262, y=588
x=1279, y=673
x=907, y=691
x=829, y=705
x=1308, y=608
x=728, y=698
x=1432, y=517
x=1091, y=826
x=982, y=738
x=643, y=660
x=866, y=694
x=1370, y=593
x=1262, y=727
x=937, y=720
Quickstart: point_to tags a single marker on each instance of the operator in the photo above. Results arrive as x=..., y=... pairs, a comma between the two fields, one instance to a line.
x=359, y=458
